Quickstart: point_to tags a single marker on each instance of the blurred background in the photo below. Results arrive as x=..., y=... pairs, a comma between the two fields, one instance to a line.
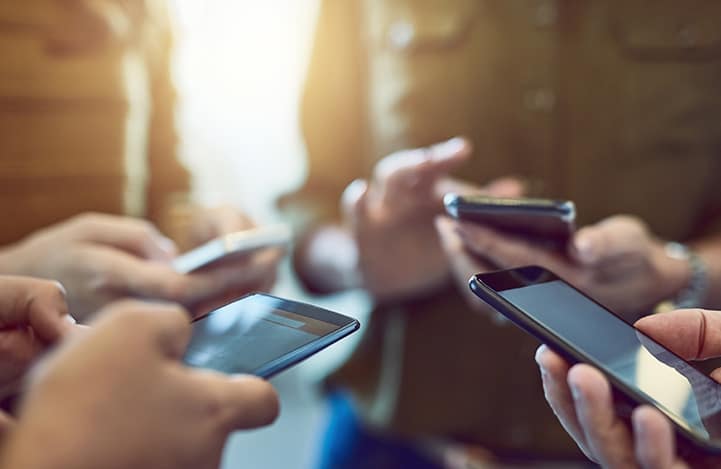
x=533, y=85
x=239, y=70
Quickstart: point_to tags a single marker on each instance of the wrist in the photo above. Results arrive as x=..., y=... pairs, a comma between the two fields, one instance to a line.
x=686, y=276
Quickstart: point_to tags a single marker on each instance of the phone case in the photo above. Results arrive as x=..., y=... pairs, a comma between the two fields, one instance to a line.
x=550, y=220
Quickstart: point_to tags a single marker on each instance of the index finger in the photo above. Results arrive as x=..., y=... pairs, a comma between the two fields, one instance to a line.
x=418, y=169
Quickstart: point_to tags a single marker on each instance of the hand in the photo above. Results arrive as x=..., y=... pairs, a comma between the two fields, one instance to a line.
x=117, y=396
x=96, y=257
x=242, y=274
x=103, y=258
x=616, y=261
x=33, y=316
x=391, y=218
x=581, y=398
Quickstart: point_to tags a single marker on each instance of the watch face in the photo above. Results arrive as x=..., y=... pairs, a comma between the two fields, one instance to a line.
x=693, y=294
x=677, y=251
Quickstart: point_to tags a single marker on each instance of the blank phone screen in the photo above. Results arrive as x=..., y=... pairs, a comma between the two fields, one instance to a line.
x=244, y=336
x=684, y=393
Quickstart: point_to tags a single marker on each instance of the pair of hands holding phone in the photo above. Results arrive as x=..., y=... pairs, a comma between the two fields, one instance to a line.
x=101, y=258
x=617, y=261
x=581, y=398
x=114, y=395
x=405, y=246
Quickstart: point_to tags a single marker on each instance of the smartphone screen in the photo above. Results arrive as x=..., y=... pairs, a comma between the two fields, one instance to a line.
x=261, y=334
x=569, y=321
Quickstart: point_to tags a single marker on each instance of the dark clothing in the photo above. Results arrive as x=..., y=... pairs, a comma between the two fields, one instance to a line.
x=614, y=104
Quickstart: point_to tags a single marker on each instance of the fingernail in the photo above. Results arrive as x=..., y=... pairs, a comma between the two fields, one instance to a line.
x=167, y=245
x=576, y=392
x=585, y=249
x=449, y=149
x=61, y=287
x=539, y=351
x=639, y=428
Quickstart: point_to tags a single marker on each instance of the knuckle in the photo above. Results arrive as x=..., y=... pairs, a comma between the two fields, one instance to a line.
x=145, y=227
x=105, y=281
x=214, y=407
x=87, y=219
x=144, y=233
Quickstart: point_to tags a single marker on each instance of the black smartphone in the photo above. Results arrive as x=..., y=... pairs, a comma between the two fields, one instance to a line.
x=262, y=335
x=233, y=245
x=641, y=370
x=546, y=219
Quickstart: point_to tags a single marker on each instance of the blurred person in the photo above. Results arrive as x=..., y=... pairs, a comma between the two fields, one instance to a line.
x=597, y=102
x=116, y=395
x=87, y=124
x=582, y=399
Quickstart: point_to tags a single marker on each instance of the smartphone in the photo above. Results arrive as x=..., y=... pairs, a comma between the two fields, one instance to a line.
x=233, y=245
x=641, y=370
x=263, y=335
x=546, y=219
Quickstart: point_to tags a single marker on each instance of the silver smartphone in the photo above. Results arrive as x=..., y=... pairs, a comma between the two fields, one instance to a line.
x=231, y=245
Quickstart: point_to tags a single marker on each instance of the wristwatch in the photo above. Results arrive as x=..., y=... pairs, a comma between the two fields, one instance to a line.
x=694, y=293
